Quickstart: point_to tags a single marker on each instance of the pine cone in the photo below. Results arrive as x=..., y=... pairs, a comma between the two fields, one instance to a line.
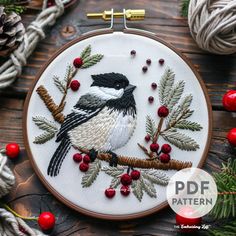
x=11, y=32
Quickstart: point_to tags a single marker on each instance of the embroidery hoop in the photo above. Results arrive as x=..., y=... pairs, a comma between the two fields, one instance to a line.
x=88, y=35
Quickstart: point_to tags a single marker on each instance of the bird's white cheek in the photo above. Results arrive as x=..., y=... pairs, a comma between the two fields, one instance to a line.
x=106, y=93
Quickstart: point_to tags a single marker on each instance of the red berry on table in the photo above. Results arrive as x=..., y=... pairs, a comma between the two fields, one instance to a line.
x=135, y=174
x=110, y=192
x=46, y=221
x=144, y=69
x=126, y=179
x=77, y=157
x=161, y=61
x=154, y=147
x=166, y=148
x=148, y=61
x=163, y=111
x=154, y=85
x=12, y=150
x=151, y=99
x=78, y=62
x=125, y=190
x=74, y=85
x=133, y=53
x=83, y=167
x=231, y=136
x=147, y=138
x=86, y=159
x=164, y=158
x=229, y=100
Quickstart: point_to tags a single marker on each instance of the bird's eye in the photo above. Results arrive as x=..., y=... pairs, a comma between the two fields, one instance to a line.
x=117, y=86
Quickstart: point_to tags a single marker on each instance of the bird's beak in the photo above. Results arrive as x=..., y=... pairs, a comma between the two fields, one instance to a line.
x=130, y=88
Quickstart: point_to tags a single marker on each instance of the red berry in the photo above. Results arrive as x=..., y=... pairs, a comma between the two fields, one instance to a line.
x=166, y=148
x=161, y=61
x=144, y=69
x=50, y=3
x=154, y=147
x=78, y=62
x=83, y=167
x=231, y=136
x=74, y=85
x=46, y=221
x=125, y=190
x=133, y=53
x=229, y=100
x=164, y=158
x=126, y=179
x=148, y=61
x=154, y=85
x=163, y=111
x=86, y=159
x=147, y=138
x=110, y=192
x=151, y=99
x=12, y=150
x=135, y=174
x=77, y=157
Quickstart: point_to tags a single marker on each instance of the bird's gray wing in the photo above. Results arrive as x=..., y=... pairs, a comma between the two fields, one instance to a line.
x=87, y=107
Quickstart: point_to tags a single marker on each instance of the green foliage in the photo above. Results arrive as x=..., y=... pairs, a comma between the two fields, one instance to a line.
x=225, y=206
x=228, y=229
x=184, y=8
x=11, y=6
x=150, y=127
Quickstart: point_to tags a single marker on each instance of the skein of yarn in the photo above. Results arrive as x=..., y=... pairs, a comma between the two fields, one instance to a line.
x=212, y=24
x=11, y=225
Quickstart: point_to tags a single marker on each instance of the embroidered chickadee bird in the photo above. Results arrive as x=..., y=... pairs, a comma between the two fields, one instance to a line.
x=103, y=119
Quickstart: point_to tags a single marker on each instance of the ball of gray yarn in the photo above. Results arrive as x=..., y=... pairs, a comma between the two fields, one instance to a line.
x=212, y=24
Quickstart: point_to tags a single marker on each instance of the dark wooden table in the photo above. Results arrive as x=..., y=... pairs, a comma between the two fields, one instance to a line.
x=29, y=196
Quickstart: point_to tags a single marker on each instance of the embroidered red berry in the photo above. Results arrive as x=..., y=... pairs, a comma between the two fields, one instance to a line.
x=144, y=69
x=77, y=157
x=231, y=136
x=164, y=158
x=46, y=221
x=154, y=85
x=12, y=150
x=154, y=147
x=147, y=138
x=163, y=111
x=151, y=99
x=229, y=100
x=78, y=62
x=148, y=61
x=166, y=148
x=126, y=179
x=133, y=53
x=125, y=190
x=135, y=174
x=74, y=85
x=110, y=192
x=86, y=159
x=161, y=61
x=83, y=167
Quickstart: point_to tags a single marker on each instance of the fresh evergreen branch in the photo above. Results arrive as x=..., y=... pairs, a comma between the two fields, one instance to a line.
x=14, y=8
x=228, y=229
x=184, y=8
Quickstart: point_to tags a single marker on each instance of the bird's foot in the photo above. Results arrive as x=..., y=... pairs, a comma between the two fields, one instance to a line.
x=114, y=159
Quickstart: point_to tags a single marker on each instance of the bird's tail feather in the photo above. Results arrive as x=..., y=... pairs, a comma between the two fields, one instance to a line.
x=58, y=157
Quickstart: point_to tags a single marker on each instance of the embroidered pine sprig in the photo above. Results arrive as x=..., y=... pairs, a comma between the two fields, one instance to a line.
x=92, y=173
x=48, y=126
x=185, y=124
x=86, y=52
x=150, y=127
x=166, y=84
x=115, y=182
x=61, y=85
x=137, y=189
x=180, y=140
x=113, y=171
x=148, y=187
x=155, y=176
x=91, y=60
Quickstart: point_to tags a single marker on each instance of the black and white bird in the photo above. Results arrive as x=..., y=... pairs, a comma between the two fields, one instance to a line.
x=103, y=119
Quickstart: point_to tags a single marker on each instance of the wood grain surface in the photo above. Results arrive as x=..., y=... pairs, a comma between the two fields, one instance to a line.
x=29, y=197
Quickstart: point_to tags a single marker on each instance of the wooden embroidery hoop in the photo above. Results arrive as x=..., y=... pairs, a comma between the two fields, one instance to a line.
x=110, y=30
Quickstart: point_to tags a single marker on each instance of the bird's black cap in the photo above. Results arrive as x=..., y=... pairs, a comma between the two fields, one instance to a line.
x=110, y=80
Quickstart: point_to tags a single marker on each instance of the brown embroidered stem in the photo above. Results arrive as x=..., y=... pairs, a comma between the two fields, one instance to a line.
x=158, y=130
x=227, y=193
x=56, y=110
x=142, y=163
x=145, y=151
